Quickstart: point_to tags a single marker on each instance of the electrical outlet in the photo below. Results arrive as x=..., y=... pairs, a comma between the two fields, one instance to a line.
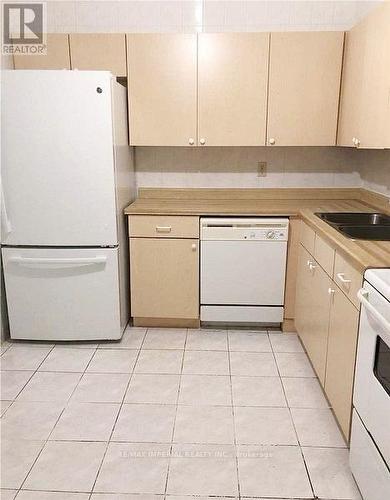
x=261, y=169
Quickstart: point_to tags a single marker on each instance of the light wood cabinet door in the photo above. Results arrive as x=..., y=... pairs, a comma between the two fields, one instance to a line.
x=304, y=86
x=340, y=366
x=365, y=93
x=312, y=310
x=162, y=87
x=374, y=124
x=99, y=51
x=351, y=88
x=164, y=275
x=57, y=56
x=232, y=88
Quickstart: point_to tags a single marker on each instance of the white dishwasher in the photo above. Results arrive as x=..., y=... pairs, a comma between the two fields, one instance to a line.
x=243, y=269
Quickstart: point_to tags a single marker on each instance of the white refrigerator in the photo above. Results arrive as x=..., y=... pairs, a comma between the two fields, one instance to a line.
x=67, y=174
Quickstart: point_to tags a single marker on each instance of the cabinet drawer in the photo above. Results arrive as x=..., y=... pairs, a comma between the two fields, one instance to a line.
x=308, y=237
x=347, y=278
x=324, y=255
x=161, y=226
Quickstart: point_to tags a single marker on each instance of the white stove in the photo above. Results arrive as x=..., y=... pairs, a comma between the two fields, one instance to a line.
x=370, y=435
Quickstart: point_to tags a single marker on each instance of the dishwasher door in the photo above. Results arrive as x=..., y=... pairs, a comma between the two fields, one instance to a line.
x=243, y=271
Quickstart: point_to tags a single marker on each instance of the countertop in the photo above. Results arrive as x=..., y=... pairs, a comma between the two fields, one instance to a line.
x=360, y=253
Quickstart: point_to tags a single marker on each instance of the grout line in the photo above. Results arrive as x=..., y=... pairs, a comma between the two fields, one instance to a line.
x=29, y=379
x=65, y=403
x=293, y=424
x=234, y=417
x=174, y=420
x=118, y=413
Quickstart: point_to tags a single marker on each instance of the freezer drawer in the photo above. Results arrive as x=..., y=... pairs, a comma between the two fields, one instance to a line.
x=62, y=294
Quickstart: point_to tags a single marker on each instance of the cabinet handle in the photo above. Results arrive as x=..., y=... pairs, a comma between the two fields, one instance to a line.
x=331, y=291
x=311, y=265
x=193, y=247
x=203, y=141
x=341, y=277
x=191, y=141
x=272, y=141
x=163, y=229
x=357, y=143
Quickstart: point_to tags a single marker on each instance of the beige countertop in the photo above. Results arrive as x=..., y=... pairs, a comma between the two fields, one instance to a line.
x=361, y=254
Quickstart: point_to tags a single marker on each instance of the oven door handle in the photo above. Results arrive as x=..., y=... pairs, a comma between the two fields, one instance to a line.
x=362, y=296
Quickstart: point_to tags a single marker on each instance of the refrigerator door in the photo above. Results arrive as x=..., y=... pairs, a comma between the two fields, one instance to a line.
x=57, y=158
x=62, y=294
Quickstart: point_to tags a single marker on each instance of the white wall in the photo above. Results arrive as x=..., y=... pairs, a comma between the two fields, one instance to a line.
x=204, y=15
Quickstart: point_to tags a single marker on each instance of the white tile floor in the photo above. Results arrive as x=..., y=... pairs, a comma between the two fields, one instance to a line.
x=169, y=414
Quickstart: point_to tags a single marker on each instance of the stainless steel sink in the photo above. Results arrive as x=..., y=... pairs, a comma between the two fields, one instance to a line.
x=374, y=232
x=355, y=219
x=359, y=226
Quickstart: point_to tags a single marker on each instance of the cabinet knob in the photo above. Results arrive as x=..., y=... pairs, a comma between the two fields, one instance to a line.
x=191, y=141
x=193, y=247
x=203, y=141
x=357, y=143
x=331, y=291
x=272, y=141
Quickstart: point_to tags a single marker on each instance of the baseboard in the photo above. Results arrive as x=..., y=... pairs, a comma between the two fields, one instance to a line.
x=167, y=322
x=288, y=326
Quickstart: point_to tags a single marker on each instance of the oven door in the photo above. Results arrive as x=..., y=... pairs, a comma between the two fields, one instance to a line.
x=372, y=380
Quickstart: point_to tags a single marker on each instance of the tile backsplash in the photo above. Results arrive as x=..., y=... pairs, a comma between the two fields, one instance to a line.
x=238, y=167
x=286, y=167
x=374, y=168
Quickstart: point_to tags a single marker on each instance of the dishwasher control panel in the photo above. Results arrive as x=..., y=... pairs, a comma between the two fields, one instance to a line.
x=257, y=229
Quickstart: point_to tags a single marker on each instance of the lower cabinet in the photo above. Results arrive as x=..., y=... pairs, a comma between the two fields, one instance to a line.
x=327, y=322
x=164, y=275
x=312, y=310
x=340, y=365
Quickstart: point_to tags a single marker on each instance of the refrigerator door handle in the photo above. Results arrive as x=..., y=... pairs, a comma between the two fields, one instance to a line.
x=70, y=262
x=5, y=222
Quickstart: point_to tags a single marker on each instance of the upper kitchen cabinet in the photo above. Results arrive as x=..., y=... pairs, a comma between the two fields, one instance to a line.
x=365, y=97
x=232, y=88
x=162, y=71
x=99, y=51
x=304, y=86
x=351, y=88
x=57, y=56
